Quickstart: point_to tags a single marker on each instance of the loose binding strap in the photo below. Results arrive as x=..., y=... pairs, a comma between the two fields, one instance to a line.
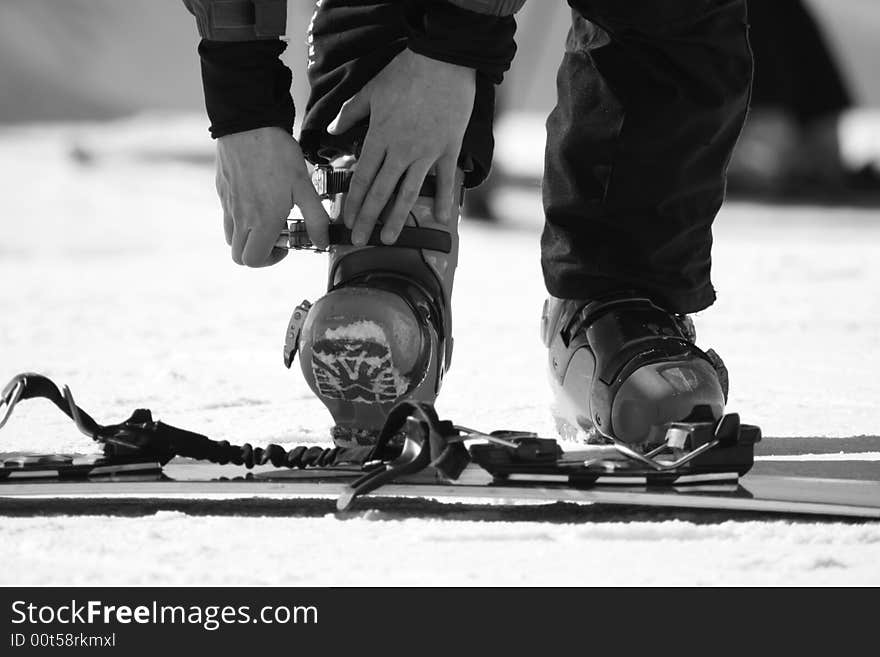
x=144, y=438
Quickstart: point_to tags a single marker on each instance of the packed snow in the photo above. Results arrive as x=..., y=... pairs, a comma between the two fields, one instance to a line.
x=115, y=279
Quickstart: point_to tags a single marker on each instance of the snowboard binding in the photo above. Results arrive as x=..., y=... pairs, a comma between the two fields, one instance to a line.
x=382, y=332
x=413, y=446
x=690, y=453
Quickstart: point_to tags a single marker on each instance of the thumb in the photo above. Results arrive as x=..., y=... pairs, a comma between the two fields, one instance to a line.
x=309, y=203
x=353, y=110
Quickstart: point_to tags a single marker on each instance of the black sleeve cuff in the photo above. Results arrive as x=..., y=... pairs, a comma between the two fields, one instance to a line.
x=246, y=85
x=451, y=34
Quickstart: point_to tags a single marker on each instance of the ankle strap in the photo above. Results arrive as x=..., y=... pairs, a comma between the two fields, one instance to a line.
x=411, y=237
x=329, y=181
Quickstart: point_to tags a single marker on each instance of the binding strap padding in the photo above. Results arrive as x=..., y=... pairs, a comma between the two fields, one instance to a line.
x=625, y=334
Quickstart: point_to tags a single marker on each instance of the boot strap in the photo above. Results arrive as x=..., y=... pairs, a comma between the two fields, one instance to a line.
x=411, y=237
x=329, y=181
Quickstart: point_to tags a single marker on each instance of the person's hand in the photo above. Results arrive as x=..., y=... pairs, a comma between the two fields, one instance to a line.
x=419, y=109
x=261, y=175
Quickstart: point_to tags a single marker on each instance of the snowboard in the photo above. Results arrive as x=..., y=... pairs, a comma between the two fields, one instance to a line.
x=184, y=479
x=700, y=464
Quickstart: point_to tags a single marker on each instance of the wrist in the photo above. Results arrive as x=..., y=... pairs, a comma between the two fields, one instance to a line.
x=439, y=65
x=257, y=134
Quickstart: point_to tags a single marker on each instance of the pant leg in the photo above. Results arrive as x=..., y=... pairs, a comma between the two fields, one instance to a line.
x=350, y=42
x=652, y=95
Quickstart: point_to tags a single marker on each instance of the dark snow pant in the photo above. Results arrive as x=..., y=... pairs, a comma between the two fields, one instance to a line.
x=652, y=95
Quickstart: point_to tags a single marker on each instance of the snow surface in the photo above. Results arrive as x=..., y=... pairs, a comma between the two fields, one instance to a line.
x=115, y=279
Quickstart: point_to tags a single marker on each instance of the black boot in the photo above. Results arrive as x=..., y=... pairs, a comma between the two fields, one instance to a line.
x=382, y=332
x=623, y=368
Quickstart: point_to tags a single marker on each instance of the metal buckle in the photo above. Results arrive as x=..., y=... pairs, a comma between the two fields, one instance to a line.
x=678, y=436
x=296, y=238
x=294, y=328
x=320, y=177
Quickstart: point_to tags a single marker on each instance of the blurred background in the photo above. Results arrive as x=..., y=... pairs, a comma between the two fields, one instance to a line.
x=812, y=132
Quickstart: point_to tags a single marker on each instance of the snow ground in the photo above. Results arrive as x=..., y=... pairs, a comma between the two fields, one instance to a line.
x=115, y=279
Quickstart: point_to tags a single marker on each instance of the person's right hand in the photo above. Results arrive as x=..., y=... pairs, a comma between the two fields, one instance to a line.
x=261, y=175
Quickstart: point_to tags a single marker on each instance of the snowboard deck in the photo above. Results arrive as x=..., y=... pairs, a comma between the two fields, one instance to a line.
x=183, y=479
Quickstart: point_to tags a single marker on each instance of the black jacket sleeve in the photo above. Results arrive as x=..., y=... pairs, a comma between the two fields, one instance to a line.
x=246, y=85
x=446, y=32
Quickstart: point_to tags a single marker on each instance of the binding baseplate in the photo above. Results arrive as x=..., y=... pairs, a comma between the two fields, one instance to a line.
x=692, y=452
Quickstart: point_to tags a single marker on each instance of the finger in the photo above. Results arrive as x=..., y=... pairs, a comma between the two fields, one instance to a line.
x=228, y=225
x=239, y=239
x=368, y=165
x=219, y=177
x=275, y=256
x=407, y=195
x=353, y=110
x=445, y=190
x=226, y=205
x=260, y=242
x=316, y=217
x=381, y=191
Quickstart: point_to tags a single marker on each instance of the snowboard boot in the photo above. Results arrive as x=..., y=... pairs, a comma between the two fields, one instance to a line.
x=383, y=330
x=622, y=369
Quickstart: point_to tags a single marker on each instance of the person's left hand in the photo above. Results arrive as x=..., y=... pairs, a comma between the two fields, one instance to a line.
x=419, y=109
